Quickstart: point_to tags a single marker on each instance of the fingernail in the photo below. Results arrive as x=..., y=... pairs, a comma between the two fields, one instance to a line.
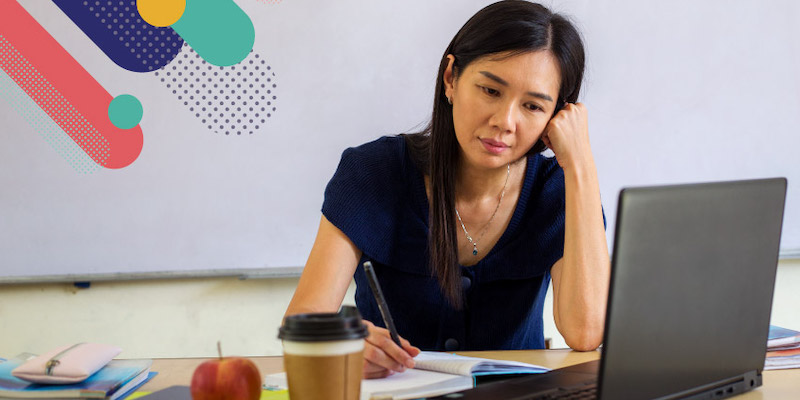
x=410, y=363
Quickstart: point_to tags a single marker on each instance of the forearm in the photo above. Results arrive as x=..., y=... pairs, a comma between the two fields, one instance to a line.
x=312, y=297
x=327, y=274
x=582, y=284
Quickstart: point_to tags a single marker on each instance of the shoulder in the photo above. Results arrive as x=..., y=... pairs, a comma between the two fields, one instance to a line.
x=545, y=166
x=371, y=167
x=370, y=195
x=547, y=178
x=376, y=152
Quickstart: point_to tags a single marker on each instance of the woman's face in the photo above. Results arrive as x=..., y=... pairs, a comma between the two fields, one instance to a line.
x=501, y=105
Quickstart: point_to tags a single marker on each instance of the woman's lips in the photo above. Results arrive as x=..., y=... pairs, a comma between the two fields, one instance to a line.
x=493, y=146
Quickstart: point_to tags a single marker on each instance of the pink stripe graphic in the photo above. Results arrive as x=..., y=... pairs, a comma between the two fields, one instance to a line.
x=63, y=89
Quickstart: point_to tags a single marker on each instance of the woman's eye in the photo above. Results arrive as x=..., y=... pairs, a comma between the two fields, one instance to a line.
x=490, y=91
x=533, y=107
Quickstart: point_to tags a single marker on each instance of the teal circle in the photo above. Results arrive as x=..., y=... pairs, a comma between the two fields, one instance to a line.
x=125, y=111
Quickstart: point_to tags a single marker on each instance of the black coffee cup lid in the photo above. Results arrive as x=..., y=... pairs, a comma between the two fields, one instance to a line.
x=324, y=327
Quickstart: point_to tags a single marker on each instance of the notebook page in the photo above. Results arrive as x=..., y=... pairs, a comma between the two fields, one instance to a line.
x=462, y=365
x=446, y=362
x=412, y=383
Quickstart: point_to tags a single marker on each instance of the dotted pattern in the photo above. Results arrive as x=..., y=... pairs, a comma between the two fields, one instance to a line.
x=53, y=103
x=154, y=47
x=41, y=123
x=233, y=100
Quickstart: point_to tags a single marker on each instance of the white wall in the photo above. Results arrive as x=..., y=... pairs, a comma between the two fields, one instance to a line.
x=185, y=318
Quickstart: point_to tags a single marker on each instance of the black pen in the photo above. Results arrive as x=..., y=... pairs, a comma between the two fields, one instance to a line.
x=378, y=293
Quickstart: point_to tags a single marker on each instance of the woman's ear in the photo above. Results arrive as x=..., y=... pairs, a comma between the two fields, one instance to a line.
x=448, y=77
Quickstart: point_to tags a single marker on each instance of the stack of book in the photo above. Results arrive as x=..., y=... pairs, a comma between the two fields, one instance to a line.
x=783, y=348
x=115, y=381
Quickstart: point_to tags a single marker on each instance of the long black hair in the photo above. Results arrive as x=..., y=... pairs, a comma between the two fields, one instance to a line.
x=510, y=27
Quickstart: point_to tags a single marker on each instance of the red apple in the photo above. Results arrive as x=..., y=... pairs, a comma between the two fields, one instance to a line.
x=230, y=378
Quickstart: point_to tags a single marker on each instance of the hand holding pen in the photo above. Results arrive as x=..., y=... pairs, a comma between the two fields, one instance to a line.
x=385, y=352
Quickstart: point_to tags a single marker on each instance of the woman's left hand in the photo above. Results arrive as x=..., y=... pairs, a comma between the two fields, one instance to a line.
x=567, y=134
x=580, y=278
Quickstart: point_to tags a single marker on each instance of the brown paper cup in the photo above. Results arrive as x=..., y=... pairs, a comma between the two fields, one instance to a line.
x=325, y=370
x=323, y=354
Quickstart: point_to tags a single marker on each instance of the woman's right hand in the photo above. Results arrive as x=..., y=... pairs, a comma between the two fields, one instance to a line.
x=382, y=356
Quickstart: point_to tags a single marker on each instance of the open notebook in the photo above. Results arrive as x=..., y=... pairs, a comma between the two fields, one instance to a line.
x=435, y=374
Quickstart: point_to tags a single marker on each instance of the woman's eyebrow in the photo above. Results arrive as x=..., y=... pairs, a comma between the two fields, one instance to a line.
x=504, y=83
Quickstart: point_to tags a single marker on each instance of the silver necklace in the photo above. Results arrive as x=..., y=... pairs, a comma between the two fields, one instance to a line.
x=485, y=228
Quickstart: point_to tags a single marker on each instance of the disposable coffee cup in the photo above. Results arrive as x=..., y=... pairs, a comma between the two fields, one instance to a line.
x=323, y=354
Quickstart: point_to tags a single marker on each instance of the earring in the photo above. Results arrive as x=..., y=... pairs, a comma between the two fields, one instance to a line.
x=449, y=101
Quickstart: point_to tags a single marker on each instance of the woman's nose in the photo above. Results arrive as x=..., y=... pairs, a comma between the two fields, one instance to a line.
x=504, y=117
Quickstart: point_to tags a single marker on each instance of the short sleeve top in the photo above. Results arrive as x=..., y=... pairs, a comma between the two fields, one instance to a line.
x=377, y=198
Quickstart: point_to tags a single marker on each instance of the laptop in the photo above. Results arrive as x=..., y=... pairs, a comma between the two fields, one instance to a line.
x=692, y=278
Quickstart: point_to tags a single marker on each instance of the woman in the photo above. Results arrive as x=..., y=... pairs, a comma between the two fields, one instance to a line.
x=466, y=222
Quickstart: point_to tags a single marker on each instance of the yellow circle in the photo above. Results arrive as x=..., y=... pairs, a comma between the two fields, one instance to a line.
x=161, y=12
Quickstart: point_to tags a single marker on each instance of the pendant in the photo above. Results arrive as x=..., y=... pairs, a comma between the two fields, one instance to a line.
x=474, y=249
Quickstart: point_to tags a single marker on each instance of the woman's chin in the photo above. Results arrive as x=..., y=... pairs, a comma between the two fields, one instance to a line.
x=491, y=161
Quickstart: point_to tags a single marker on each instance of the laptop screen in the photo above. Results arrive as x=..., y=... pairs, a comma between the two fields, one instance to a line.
x=691, y=286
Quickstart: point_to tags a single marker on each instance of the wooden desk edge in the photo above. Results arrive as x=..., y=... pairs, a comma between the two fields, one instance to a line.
x=778, y=384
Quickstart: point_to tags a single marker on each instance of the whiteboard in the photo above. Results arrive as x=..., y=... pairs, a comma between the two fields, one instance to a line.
x=679, y=91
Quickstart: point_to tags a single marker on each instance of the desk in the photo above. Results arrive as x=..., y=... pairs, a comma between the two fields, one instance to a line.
x=782, y=384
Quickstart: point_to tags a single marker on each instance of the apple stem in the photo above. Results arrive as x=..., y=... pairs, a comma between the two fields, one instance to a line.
x=219, y=349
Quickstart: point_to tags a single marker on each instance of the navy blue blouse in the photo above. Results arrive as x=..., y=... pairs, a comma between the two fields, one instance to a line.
x=377, y=198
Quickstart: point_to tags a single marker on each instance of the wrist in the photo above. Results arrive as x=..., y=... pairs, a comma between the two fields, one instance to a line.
x=579, y=172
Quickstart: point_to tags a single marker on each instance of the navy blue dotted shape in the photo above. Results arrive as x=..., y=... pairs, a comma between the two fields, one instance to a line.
x=232, y=100
x=116, y=27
